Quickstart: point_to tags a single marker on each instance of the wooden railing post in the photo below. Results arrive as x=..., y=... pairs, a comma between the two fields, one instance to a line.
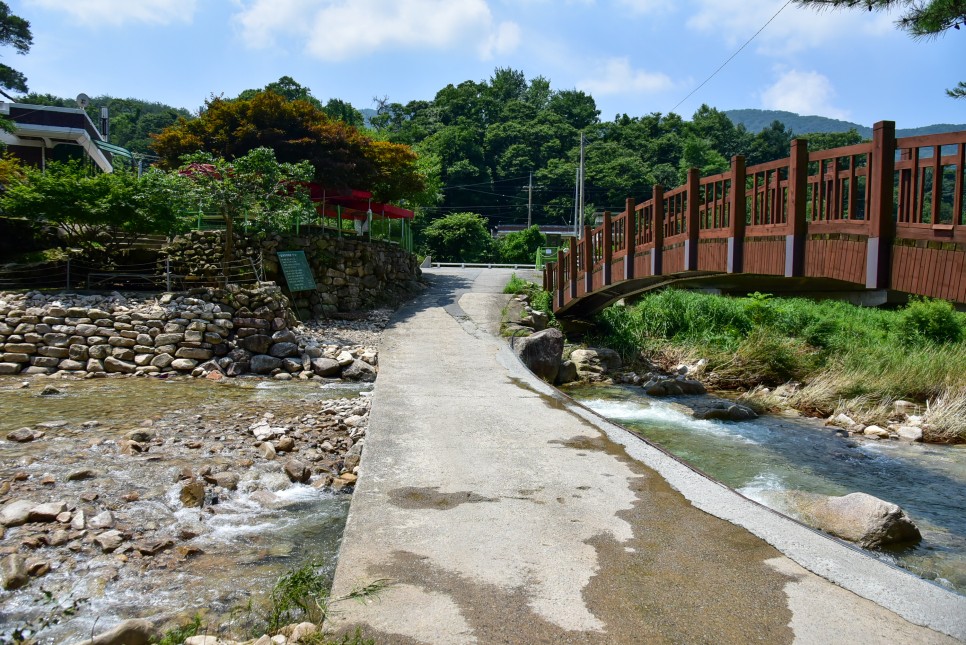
x=882, y=227
x=588, y=243
x=630, y=237
x=691, y=244
x=797, y=195
x=608, y=250
x=737, y=215
x=657, y=232
x=559, y=292
x=573, y=267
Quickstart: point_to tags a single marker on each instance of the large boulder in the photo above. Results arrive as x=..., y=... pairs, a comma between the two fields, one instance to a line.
x=541, y=352
x=594, y=362
x=868, y=521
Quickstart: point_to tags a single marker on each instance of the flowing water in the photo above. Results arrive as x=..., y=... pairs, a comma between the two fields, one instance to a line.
x=244, y=543
x=763, y=458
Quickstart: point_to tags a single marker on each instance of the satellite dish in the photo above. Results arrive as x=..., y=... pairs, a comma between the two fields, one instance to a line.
x=83, y=100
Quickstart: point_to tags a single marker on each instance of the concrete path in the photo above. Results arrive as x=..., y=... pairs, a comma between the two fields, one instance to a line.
x=498, y=511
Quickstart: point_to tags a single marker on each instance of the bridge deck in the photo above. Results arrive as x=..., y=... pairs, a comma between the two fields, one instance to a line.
x=501, y=512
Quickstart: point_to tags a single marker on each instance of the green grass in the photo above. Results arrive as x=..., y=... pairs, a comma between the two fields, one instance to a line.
x=539, y=299
x=848, y=353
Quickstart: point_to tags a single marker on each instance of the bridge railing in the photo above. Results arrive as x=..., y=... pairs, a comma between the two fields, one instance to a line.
x=867, y=214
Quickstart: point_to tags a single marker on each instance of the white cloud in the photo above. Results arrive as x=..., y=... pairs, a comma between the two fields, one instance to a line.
x=803, y=92
x=647, y=6
x=794, y=30
x=335, y=30
x=120, y=12
x=616, y=76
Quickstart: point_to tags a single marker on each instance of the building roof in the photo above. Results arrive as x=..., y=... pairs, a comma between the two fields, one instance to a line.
x=47, y=126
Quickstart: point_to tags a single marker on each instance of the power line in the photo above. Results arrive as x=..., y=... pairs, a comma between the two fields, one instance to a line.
x=738, y=51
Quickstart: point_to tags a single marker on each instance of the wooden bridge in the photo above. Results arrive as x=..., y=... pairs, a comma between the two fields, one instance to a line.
x=879, y=218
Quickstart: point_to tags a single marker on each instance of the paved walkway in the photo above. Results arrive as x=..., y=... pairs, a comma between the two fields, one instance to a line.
x=500, y=512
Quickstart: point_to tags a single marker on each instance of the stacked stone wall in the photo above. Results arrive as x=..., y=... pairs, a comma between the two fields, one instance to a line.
x=352, y=273
x=230, y=331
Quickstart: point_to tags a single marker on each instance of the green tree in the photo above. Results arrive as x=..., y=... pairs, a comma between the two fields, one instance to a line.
x=919, y=18
x=296, y=130
x=14, y=31
x=458, y=237
x=829, y=140
x=520, y=248
x=255, y=185
x=93, y=210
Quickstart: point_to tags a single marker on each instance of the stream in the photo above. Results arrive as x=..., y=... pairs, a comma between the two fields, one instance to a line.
x=763, y=458
x=225, y=556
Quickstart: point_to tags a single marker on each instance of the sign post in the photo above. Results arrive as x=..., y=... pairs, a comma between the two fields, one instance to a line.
x=297, y=272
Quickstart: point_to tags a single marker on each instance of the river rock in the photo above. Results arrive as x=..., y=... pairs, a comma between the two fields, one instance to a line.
x=284, y=350
x=103, y=520
x=567, y=373
x=285, y=444
x=263, y=364
x=153, y=547
x=726, y=411
x=23, y=435
x=297, y=471
x=266, y=450
x=50, y=390
x=130, y=632
x=326, y=366
x=541, y=352
x=193, y=494
x=13, y=571
x=47, y=512
x=256, y=344
x=858, y=517
x=876, y=432
x=595, y=361
x=109, y=540
x=227, y=480
x=910, y=433
x=359, y=371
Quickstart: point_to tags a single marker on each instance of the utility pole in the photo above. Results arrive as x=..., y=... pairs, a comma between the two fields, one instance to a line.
x=576, y=197
x=530, y=202
x=581, y=229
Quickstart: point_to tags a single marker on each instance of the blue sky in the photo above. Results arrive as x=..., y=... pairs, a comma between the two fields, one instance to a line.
x=634, y=56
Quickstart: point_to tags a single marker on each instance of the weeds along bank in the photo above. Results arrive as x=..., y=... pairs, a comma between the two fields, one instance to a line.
x=823, y=358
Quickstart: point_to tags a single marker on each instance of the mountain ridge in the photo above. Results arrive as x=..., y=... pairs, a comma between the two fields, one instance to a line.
x=757, y=120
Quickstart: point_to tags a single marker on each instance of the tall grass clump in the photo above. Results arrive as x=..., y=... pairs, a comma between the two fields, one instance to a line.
x=843, y=354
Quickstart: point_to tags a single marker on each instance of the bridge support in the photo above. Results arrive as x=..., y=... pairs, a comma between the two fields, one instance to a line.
x=797, y=225
x=691, y=244
x=881, y=223
x=657, y=231
x=630, y=237
x=608, y=251
x=737, y=209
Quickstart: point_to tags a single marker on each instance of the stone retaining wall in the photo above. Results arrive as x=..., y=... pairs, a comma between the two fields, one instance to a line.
x=229, y=331
x=351, y=272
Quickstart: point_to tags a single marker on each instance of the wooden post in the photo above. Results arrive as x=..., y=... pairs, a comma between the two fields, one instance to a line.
x=560, y=277
x=573, y=267
x=797, y=194
x=630, y=237
x=737, y=209
x=588, y=242
x=694, y=230
x=608, y=250
x=882, y=227
x=657, y=229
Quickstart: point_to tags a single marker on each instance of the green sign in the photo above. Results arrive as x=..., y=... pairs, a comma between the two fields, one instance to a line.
x=298, y=273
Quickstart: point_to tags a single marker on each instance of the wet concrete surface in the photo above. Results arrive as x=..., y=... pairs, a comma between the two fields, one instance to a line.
x=501, y=512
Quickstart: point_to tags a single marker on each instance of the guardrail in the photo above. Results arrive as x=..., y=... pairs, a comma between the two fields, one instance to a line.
x=483, y=265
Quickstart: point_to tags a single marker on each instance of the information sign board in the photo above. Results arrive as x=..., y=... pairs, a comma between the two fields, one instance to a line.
x=298, y=273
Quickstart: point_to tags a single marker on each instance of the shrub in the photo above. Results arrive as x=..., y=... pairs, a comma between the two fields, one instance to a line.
x=928, y=320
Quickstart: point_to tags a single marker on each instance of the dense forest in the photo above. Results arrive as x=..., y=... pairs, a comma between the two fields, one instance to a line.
x=479, y=143
x=757, y=120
